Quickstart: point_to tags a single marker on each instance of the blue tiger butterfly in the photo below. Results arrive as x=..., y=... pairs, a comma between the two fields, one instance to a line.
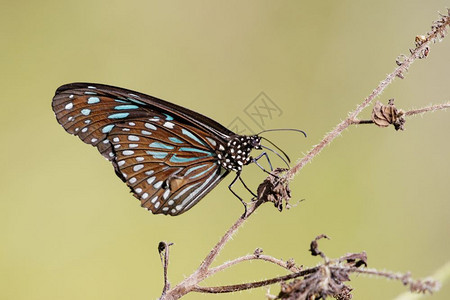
x=168, y=155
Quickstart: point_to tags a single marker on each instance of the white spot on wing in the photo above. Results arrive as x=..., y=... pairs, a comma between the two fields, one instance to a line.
x=69, y=105
x=150, y=126
x=213, y=142
x=166, y=194
x=137, y=167
x=151, y=179
x=158, y=184
x=169, y=125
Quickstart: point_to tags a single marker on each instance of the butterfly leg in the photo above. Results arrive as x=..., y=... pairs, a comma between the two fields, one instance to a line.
x=238, y=175
x=255, y=160
x=246, y=187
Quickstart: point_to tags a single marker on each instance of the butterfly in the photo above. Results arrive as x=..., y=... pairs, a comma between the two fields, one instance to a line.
x=169, y=156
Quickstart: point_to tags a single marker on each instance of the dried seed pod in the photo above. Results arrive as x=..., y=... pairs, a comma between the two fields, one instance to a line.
x=275, y=189
x=384, y=115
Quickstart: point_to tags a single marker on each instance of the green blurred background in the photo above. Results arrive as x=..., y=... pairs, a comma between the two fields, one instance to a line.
x=69, y=228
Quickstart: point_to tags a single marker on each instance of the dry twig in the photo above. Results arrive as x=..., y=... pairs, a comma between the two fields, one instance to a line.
x=328, y=278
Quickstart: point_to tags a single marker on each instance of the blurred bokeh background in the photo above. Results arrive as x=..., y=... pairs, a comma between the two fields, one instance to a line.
x=69, y=229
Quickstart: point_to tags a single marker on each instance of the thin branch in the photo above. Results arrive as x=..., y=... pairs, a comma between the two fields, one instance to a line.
x=191, y=282
x=428, y=109
x=268, y=258
x=252, y=285
x=227, y=236
x=163, y=249
x=438, y=31
x=411, y=112
x=420, y=286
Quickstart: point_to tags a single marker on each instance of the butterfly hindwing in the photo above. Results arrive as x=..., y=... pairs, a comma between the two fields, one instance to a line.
x=164, y=163
x=167, y=160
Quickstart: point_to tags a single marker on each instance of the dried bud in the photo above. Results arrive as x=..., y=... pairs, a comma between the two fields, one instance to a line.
x=384, y=115
x=258, y=252
x=290, y=263
x=275, y=189
x=400, y=59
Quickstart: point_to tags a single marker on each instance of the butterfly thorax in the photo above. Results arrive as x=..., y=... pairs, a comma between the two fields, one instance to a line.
x=237, y=152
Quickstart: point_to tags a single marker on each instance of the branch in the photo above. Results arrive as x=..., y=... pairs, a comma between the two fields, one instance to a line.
x=288, y=265
x=438, y=31
x=275, y=189
x=163, y=249
x=412, y=112
x=252, y=285
x=427, y=109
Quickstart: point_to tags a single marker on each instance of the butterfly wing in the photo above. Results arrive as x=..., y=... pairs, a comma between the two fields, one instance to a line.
x=164, y=152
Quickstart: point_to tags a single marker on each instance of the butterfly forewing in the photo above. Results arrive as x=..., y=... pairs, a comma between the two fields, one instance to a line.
x=168, y=161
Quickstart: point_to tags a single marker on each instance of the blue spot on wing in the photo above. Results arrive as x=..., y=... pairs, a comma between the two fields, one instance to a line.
x=191, y=135
x=93, y=100
x=202, y=173
x=130, y=106
x=195, y=150
x=107, y=128
x=177, y=159
x=160, y=145
x=175, y=140
x=136, y=101
x=168, y=118
x=86, y=111
x=118, y=116
x=194, y=168
x=156, y=154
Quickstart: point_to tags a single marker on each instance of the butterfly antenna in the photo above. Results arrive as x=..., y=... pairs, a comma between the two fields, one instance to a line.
x=283, y=129
x=282, y=158
x=273, y=144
